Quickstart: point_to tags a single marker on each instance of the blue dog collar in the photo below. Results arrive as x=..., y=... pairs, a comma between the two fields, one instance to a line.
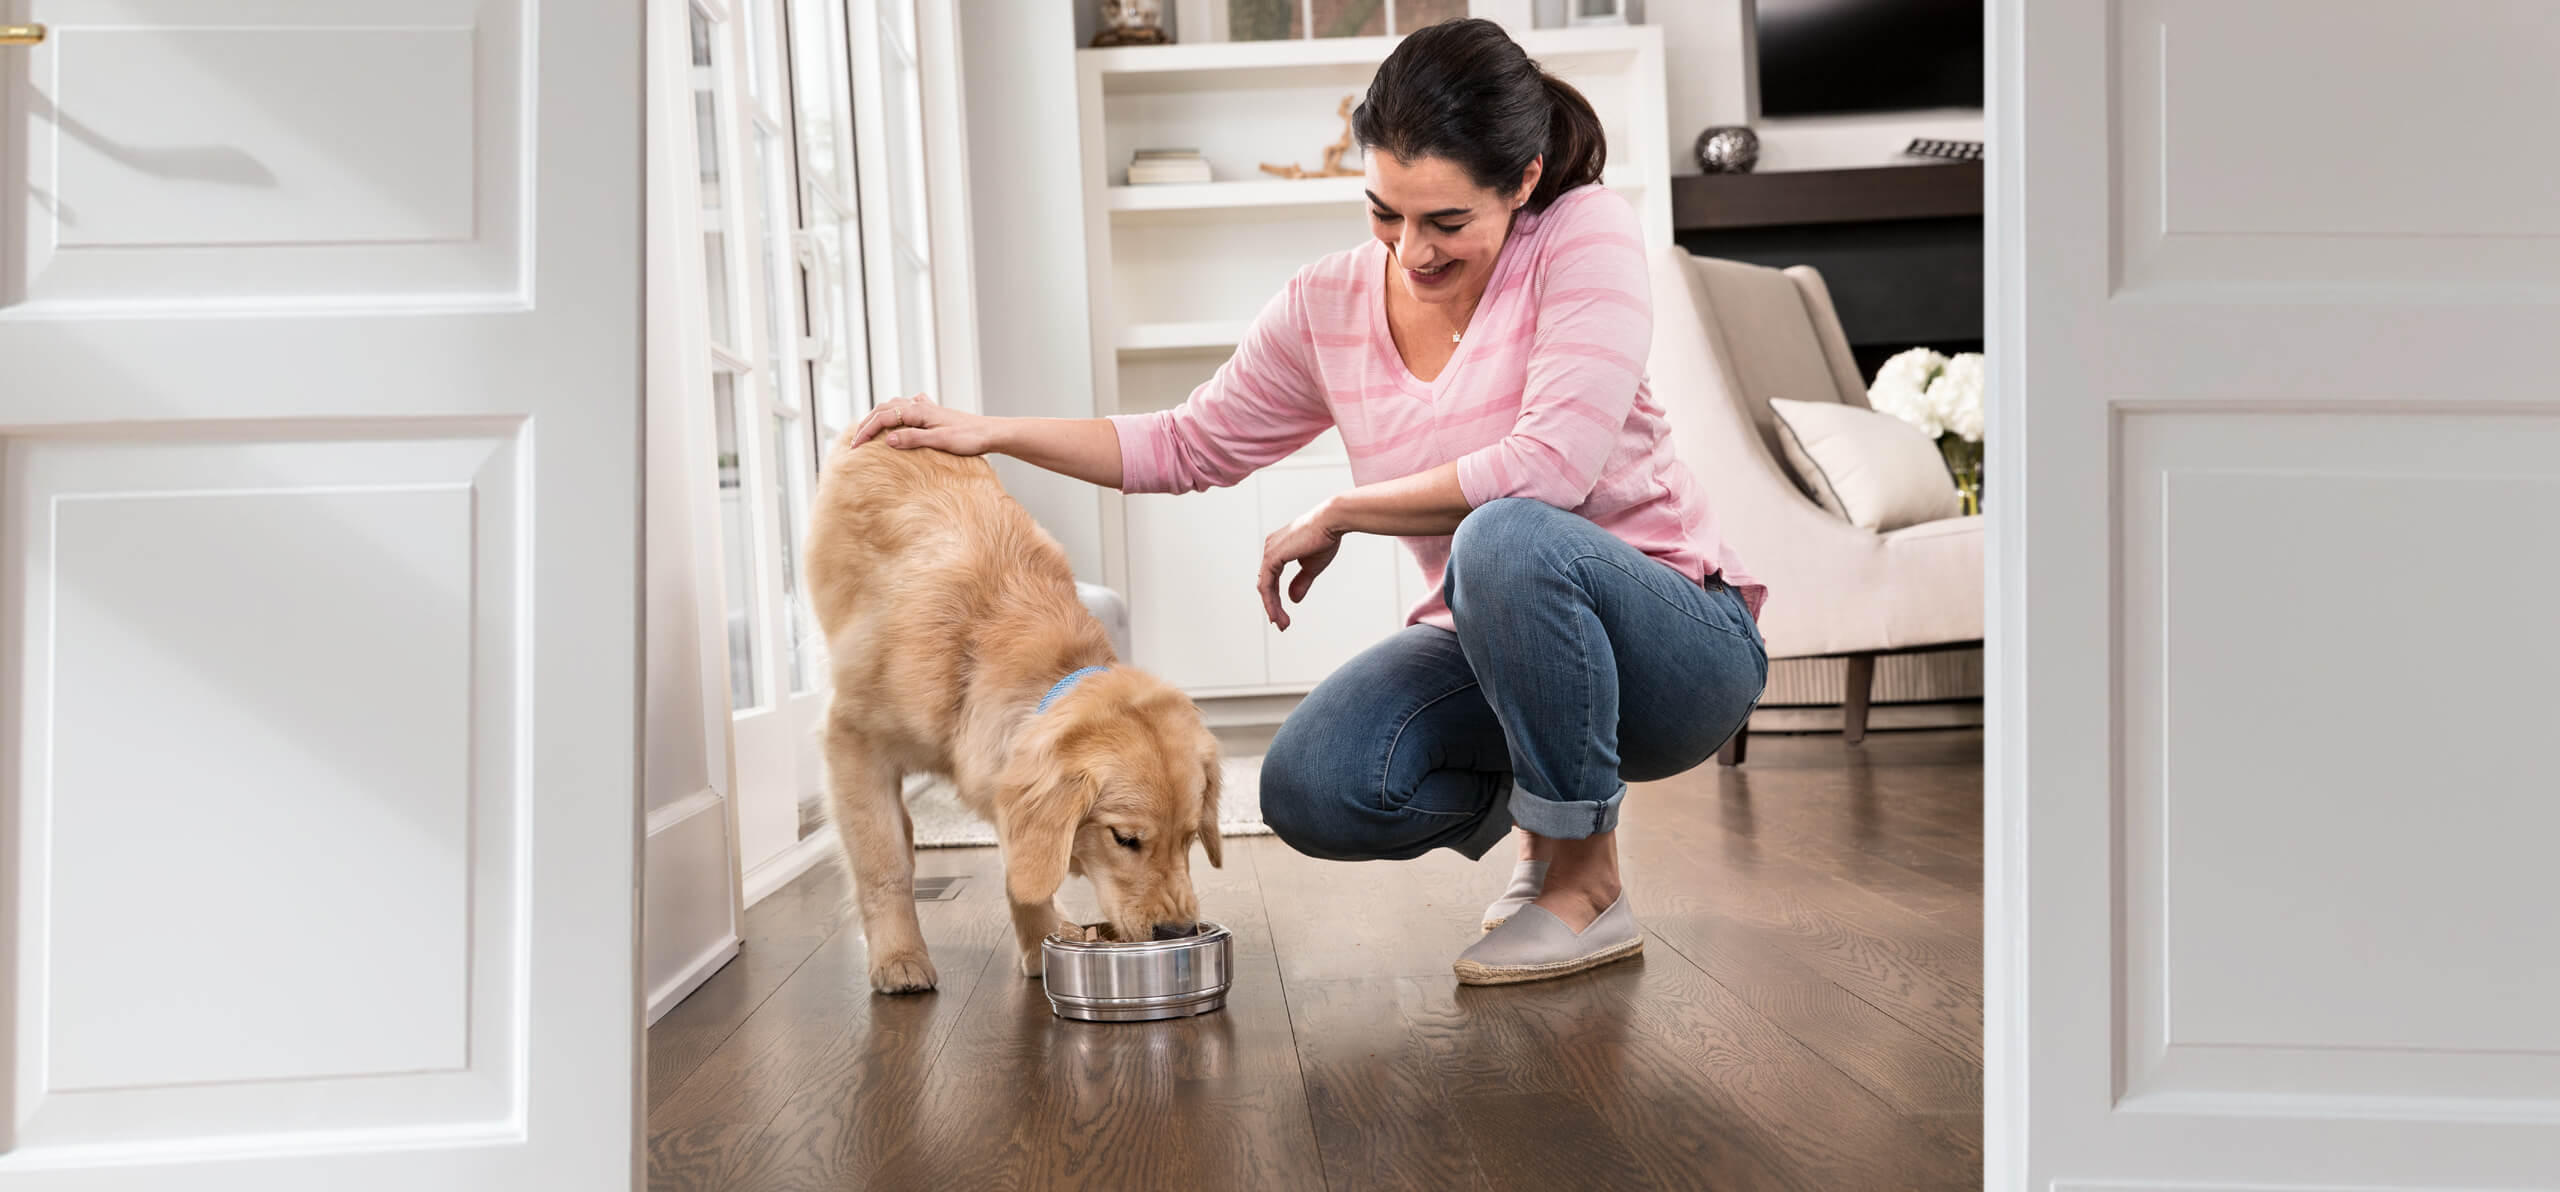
x=1066, y=685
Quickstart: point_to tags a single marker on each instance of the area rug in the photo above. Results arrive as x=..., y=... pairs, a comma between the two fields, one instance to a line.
x=941, y=822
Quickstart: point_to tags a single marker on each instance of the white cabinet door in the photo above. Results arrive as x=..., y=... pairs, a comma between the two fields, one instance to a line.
x=2275, y=454
x=1194, y=618
x=1354, y=601
x=320, y=343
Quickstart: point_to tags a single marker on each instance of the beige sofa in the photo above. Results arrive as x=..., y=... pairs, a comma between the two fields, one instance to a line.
x=1727, y=337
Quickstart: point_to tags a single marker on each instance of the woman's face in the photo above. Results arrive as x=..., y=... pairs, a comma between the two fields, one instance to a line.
x=1440, y=228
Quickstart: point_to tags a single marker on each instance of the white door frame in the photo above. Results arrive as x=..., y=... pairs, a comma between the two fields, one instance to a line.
x=695, y=914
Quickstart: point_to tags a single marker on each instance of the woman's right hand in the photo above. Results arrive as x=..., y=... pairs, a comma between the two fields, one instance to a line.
x=911, y=422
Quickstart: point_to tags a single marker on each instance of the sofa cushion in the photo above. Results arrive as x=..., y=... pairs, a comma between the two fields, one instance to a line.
x=1873, y=470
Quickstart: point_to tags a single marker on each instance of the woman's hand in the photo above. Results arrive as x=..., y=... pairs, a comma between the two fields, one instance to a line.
x=912, y=422
x=1311, y=544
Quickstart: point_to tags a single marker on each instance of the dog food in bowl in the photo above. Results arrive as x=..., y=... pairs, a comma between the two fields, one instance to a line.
x=1097, y=979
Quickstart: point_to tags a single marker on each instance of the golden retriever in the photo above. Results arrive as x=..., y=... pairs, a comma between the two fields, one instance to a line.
x=948, y=614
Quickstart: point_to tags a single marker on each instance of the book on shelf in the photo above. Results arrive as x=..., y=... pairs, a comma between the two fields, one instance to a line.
x=1954, y=150
x=1153, y=166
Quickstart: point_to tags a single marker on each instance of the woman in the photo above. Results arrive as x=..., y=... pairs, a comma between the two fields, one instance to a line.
x=1483, y=357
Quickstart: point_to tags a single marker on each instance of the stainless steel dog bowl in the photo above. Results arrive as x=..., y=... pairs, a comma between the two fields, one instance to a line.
x=1137, y=982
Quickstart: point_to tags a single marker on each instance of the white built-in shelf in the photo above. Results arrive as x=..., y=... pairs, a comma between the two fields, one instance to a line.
x=1247, y=64
x=1214, y=335
x=1271, y=192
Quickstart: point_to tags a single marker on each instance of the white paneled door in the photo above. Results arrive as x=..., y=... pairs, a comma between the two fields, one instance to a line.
x=319, y=539
x=2277, y=456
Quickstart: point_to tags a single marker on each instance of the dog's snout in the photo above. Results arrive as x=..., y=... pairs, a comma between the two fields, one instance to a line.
x=1174, y=931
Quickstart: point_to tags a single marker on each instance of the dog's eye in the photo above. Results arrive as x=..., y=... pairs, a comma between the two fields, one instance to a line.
x=1125, y=839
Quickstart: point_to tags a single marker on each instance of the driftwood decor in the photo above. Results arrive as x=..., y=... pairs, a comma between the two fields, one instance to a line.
x=1333, y=153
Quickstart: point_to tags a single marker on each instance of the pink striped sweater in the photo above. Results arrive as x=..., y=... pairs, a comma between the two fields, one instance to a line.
x=1546, y=398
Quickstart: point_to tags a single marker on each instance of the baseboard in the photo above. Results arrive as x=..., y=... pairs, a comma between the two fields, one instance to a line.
x=786, y=865
x=1820, y=718
x=673, y=814
x=666, y=997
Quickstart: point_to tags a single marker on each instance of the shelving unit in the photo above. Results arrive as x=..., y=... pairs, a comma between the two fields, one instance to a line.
x=1177, y=272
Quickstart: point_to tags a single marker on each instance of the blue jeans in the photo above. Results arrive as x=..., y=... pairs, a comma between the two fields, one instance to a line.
x=1579, y=663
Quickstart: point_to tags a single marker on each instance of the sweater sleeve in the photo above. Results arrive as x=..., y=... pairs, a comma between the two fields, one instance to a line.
x=1586, y=359
x=1262, y=404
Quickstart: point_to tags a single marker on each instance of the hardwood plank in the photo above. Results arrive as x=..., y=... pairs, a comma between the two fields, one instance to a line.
x=1334, y=920
x=1703, y=1089
x=1539, y=1142
x=786, y=1085
x=1019, y=1098
x=1872, y=1047
x=781, y=933
x=1837, y=918
x=1382, y=1115
x=1024, y=1099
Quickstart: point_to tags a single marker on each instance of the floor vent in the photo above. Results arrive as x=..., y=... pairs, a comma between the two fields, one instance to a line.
x=938, y=889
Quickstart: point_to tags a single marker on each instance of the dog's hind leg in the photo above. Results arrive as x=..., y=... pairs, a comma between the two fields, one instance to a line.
x=869, y=807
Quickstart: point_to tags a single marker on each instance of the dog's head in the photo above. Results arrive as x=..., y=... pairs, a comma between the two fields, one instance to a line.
x=1115, y=782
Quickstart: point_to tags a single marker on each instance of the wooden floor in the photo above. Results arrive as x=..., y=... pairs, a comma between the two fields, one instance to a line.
x=1807, y=1014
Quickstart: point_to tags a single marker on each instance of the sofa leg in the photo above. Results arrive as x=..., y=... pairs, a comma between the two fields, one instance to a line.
x=1853, y=710
x=1730, y=753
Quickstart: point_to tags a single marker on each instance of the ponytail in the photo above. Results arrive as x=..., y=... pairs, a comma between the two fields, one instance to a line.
x=1576, y=148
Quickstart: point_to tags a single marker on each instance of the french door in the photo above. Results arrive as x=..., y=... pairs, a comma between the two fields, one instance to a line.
x=818, y=295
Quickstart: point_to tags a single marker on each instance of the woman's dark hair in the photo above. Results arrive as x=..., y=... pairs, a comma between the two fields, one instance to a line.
x=1463, y=90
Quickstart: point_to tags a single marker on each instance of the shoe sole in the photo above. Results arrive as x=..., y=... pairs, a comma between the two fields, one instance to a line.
x=1490, y=924
x=1471, y=973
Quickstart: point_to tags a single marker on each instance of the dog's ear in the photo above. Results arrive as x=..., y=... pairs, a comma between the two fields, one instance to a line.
x=1209, y=839
x=1040, y=804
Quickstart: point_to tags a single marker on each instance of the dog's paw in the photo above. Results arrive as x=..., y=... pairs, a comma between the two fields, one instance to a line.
x=907, y=972
x=1027, y=962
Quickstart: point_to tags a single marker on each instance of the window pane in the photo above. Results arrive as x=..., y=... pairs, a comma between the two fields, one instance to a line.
x=905, y=128
x=1350, y=18
x=753, y=11
x=1414, y=14
x=842, y=385
x=737, y=544
x=782, y=315
x=790, y=476
x=898, y=19
x=818, y=87
x=706, y=132
x=915, y=314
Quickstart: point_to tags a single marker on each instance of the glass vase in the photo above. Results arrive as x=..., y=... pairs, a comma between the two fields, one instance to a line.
x=1964, y=462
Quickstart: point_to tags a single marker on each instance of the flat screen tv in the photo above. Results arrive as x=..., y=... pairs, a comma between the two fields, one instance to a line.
x=1827, y=57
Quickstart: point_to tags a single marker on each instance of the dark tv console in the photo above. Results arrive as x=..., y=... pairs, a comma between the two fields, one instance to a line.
x=1900, y=246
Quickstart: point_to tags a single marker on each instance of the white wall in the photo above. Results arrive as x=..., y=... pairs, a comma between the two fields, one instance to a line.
x=1707, y=56
x=1034, y=337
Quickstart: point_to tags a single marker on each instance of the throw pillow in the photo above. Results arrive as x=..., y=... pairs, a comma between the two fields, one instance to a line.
x=1873, y=470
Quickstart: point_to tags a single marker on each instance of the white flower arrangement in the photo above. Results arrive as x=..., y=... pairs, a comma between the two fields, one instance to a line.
x=1956, y=396
x=1942, y=395
x=1902, y=389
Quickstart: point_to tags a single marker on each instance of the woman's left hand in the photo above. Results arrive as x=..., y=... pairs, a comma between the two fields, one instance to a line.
x=1310, y=545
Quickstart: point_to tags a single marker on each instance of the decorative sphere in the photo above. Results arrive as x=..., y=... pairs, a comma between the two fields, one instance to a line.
x=1728, y=149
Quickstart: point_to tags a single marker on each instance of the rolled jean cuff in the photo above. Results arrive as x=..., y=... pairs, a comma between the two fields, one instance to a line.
x=1566, y=819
